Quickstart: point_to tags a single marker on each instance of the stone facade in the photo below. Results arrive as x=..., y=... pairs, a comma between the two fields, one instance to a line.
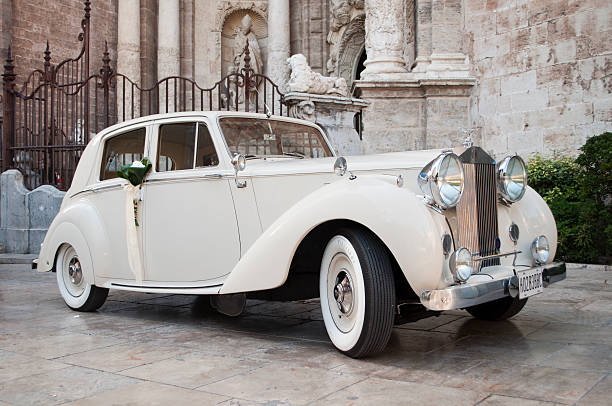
x=530, y=76
x=28, y=24
x=543, y=70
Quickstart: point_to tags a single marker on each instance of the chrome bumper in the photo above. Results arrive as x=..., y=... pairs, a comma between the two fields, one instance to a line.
x=471, y=294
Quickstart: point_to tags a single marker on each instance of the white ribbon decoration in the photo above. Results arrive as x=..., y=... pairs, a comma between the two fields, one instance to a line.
x=132, y=197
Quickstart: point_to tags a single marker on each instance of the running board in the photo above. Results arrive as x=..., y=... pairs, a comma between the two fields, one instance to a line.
x=179, y=290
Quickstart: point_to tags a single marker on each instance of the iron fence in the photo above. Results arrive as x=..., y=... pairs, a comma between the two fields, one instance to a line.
x=49, y=120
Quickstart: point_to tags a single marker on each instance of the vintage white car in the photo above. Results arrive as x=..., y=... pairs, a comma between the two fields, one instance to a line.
x=241, y=204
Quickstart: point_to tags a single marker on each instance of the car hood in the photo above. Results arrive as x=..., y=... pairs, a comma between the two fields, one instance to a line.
x=358, y=163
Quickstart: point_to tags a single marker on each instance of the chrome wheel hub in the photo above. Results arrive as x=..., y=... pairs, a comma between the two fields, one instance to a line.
x=74, y=271
x=343, y=292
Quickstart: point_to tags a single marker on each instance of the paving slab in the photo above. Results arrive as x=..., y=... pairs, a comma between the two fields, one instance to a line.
x=161, y=349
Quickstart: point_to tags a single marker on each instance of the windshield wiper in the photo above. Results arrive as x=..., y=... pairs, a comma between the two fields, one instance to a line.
x=295, y=154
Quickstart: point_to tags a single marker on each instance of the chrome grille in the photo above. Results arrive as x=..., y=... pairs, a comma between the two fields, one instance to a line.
x=477, y=209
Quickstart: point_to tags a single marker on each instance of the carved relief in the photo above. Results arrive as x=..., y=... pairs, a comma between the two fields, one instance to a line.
x=304, y=110
x=343, y=13
x=304, y=80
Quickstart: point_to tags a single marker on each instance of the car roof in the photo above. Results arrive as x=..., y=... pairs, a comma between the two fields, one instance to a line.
x=190, y=114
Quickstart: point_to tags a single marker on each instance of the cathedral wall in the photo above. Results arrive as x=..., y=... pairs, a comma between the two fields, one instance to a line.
x=36, y=21
x=543, y=70
x=309, y=28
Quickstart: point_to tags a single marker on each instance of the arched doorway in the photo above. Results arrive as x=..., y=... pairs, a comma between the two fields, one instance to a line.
x=360, y=64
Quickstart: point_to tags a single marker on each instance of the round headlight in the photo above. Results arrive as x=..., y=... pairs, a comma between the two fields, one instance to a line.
x=540, y=250
x=461, y=264
x=512, y=178
x=442, y=180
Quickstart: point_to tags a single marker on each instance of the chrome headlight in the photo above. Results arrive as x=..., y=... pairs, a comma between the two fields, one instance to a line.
x=461, y=264
x=512, y=178
x=442, y=180
x=540, y=250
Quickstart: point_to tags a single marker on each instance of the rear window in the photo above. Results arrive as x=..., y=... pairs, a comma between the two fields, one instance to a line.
x=121, y=150
x=182, y=144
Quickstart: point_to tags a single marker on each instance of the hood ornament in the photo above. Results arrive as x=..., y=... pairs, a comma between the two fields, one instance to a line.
x=468, y=133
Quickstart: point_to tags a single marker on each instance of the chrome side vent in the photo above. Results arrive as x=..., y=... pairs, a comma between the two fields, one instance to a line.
x=477, y=210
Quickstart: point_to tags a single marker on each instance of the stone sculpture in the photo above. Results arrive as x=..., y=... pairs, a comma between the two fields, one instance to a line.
x=304, y=80
x=244, y=36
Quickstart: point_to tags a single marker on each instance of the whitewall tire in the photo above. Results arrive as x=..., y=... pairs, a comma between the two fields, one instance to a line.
x=357, y=293
x=78, y=292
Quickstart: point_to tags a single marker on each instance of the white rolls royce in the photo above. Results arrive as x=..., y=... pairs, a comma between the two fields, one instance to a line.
x=243, y=204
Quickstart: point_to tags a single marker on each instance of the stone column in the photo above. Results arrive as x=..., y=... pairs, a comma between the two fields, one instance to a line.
x=279, y=43
x=168, y=50
x=446, y=58
x=128, y=57
x=385, y=38
x=423, y=35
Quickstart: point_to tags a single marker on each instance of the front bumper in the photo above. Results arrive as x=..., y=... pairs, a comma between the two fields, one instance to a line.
x=481, y=291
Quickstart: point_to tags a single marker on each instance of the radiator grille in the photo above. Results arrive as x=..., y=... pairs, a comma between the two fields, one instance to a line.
x=477, y=209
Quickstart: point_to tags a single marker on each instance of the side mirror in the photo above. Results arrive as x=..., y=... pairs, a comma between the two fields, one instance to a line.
x=340, y=166
x=239, y=163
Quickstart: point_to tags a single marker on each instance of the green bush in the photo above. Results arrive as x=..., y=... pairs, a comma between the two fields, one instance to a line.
x=579, y=193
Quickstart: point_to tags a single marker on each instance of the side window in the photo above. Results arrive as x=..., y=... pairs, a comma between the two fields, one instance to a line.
x=122, y=150
x=206, y=154
x=175, y=146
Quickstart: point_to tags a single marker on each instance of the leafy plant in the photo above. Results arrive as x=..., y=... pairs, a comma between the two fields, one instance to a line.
x=136, y=171
x=579, y=193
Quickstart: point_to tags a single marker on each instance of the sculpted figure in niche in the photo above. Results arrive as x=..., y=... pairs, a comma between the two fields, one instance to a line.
x=304, y=80
x=244, y=36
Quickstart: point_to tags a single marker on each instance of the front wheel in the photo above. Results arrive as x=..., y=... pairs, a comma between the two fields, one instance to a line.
x=78, y=293
x=500, y=309
x=357, y=293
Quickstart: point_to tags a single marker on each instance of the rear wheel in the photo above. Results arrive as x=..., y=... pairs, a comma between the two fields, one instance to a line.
x=357, y=293
x=78, y=293
x=500, y=309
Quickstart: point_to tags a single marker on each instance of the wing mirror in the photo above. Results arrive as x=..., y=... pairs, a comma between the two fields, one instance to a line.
x=239, y=163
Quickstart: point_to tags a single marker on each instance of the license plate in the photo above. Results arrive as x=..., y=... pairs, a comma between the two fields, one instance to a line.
x=530, y=282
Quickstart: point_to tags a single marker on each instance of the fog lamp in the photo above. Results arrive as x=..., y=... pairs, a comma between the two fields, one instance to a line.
x=540, y=250
x=461, y=264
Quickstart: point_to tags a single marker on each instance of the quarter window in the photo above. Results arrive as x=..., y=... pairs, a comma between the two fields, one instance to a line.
x=122, y=150
x=177, y=147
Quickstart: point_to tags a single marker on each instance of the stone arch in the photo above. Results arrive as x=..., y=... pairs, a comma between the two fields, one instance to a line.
x=350, y=50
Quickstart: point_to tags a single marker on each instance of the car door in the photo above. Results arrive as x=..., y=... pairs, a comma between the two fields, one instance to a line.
x=109, y=197
x=190, y=228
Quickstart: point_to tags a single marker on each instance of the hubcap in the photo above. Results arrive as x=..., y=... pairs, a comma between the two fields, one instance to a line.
x=74, y=271
x=343, y=292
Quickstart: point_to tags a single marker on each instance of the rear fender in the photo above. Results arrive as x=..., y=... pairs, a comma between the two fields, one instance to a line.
x=79, y=226
x=410, y=230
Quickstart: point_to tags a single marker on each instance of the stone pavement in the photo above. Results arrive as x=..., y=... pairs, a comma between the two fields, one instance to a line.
x=162, y=349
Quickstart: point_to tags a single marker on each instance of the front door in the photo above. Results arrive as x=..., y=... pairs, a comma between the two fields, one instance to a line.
x=190, y=226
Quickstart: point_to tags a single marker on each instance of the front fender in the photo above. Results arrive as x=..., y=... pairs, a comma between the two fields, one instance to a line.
x=410, y=230
x=79, y=225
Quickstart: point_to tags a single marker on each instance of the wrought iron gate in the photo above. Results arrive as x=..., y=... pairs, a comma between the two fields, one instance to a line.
x=49, y=120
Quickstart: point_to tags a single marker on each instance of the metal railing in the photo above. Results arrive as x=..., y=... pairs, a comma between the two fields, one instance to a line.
x=49, y=120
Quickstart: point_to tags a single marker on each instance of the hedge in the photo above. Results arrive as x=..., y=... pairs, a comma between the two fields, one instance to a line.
x=579, y=193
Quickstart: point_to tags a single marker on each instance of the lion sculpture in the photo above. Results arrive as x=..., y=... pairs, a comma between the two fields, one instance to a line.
x=304, y=80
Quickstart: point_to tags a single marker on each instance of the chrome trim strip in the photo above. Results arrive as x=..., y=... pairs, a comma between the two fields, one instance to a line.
x=188, y=178
x=98, y=189
x=466, y=295
x=165, y=287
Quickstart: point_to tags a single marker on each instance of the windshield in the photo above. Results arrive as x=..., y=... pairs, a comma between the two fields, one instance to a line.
x=255, y=137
